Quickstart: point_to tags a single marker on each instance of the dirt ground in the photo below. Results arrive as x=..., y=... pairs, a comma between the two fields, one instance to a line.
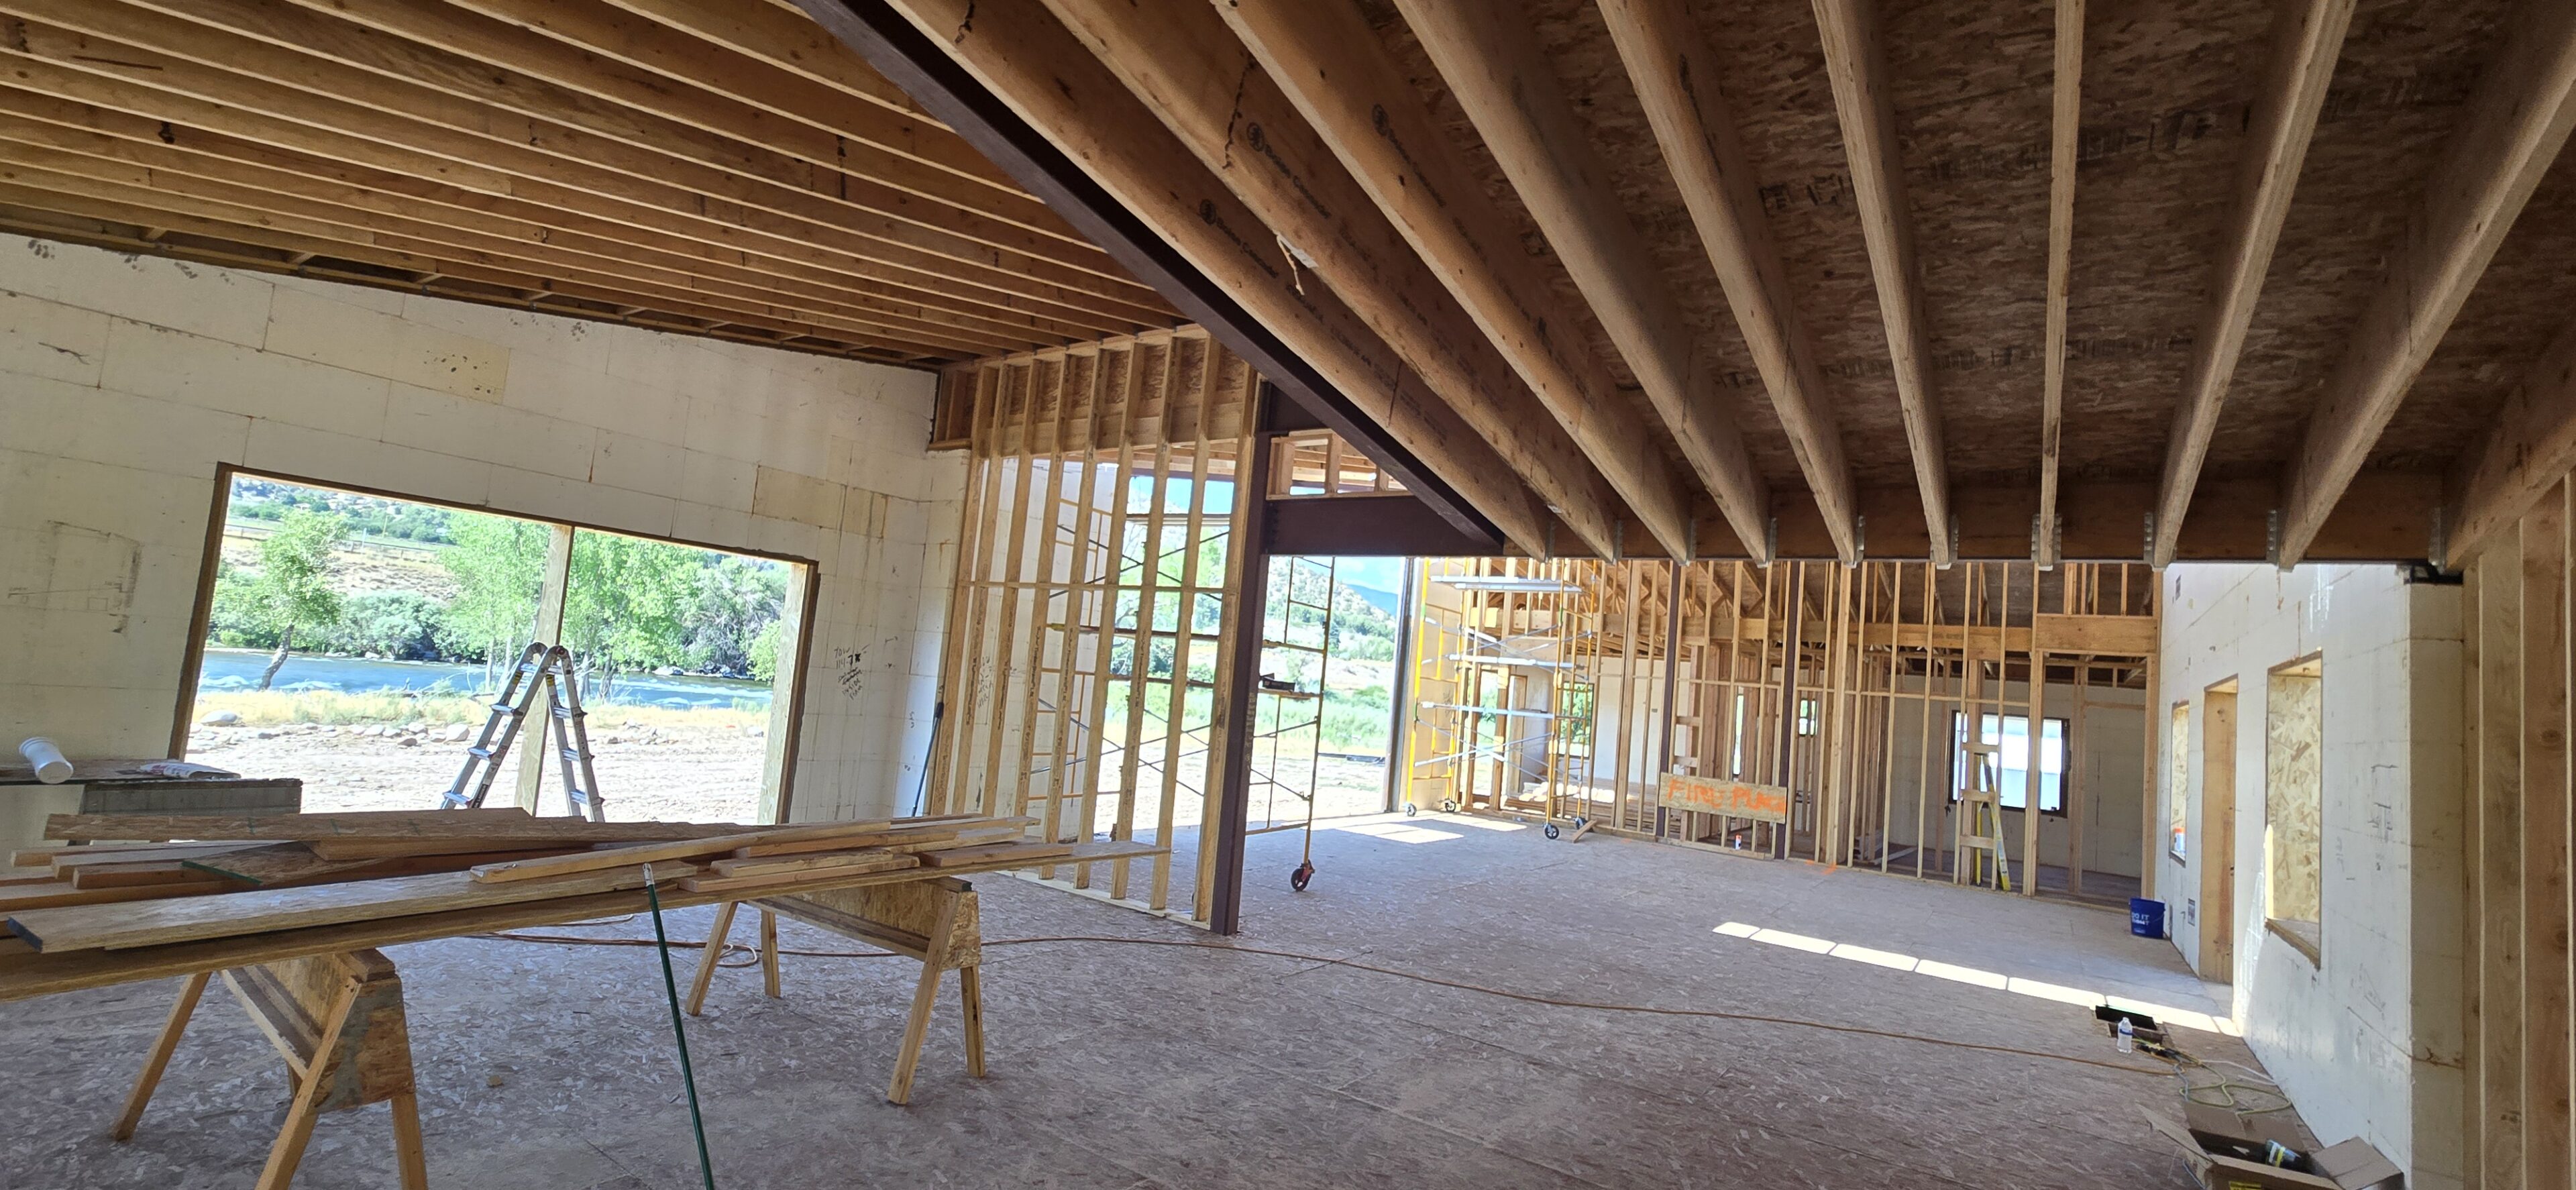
x=687, y=774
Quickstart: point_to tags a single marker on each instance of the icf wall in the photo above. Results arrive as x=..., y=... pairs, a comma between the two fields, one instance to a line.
x=2366, y=1033
x=126, y=381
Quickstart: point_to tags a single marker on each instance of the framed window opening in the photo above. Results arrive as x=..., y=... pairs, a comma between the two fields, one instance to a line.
x=2294, y=803
x=2178, y=784
x=2010, y=736
x=404, y=616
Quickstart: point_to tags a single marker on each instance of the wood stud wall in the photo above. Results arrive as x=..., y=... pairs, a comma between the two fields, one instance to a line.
x=1098, y=529
x=1872, y=639
x=2519, y=981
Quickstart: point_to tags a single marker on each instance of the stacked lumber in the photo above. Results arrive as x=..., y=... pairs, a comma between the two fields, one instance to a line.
x=142, y=896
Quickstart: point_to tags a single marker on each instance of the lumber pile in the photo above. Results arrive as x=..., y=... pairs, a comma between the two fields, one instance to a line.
x=138, y=897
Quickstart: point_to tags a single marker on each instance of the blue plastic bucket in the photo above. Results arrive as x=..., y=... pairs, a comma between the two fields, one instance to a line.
x=2146, y=918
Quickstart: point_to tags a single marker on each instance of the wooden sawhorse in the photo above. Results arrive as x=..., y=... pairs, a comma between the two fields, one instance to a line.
x=338, y=1020
x=932, y=921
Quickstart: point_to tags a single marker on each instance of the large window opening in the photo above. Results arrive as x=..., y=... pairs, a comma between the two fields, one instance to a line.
x=2293, y=801
x=358, y=641
x=2010, y=736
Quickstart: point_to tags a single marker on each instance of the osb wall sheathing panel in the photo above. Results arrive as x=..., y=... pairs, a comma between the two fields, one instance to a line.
x=2168, y=88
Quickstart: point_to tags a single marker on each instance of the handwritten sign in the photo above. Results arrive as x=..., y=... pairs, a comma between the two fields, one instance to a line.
x=1734, y=799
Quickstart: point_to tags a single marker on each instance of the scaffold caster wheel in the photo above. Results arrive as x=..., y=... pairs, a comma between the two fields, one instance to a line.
x=1551, y=830
x=1305, y=872
x=1410, y=809
x=1448, y=805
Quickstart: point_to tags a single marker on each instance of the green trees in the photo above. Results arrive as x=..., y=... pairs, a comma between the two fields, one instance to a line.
x=498, y=565
x=627, y=606
x=292, y=589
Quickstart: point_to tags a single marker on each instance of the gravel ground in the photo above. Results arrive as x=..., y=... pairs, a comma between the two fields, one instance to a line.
x=689, y=774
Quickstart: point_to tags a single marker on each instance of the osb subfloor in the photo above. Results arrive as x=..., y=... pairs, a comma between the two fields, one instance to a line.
x=1136, y=1066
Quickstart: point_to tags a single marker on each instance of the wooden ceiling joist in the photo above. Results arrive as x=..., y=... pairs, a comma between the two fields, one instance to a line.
x=297, y=65
x=1512, y=98
x=2066, y=115
x=2515, y=125
x=536, y=230
x=1015, y=51
x=1677, y=81
x=1856, y=66
x=1191, y=72
x=63, y=156
x=656, y=216
x=1324, y=59
x=2531, y=447
x=636, y=57
x=2307, y=38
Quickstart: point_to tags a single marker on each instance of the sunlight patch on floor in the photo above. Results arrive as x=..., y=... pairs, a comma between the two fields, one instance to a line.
x=2017, y=985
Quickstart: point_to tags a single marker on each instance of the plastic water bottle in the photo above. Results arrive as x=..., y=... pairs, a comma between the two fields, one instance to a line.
x=2128, y=1036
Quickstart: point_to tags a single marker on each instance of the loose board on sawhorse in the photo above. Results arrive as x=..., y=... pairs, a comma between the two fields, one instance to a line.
x=933, y=922
x=338, y=1020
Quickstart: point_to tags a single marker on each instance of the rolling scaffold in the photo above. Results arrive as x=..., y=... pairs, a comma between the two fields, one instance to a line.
x=1498, y=706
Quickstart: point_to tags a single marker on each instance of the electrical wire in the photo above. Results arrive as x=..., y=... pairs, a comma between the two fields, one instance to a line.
x=1436, y=981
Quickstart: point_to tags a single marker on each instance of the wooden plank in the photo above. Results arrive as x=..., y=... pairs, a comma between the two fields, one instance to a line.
x=1676, y=75
x=2515, y=125
x=1856, y=66
x=2494, y=1117
x=773, y=865
x=194, y=919
x=1013, y=48
x=27, y=974
x=16, y=898
x=847, y=834
x=2546, y=1005
x=1184, y=63
x=344, y=824
x=854, y=864
x=171, y=875
x=993, y=853
x=45, y=857
x=2307, y=38
x=1498, y=74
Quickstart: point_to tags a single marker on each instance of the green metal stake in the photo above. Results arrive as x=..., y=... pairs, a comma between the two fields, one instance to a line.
x=671, y=991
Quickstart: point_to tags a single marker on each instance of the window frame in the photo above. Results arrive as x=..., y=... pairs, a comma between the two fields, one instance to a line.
x=2304, y=934
x=2065, y=757
x=193, y=657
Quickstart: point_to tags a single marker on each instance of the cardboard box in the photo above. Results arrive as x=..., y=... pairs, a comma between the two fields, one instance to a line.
x=2226, y=1150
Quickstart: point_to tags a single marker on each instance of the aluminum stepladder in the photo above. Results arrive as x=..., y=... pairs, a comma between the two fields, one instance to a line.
x=1980, y=837
x=550, y=666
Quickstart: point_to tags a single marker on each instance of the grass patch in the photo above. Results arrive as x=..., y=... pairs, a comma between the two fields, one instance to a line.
x=277, y=708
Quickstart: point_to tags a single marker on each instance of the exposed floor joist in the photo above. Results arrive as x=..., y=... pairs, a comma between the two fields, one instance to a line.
x=1192, y=72
x=1514, y=101
x=1867, y=114
x=1325, y=60
x=569, y=151
x=1677, y=80
x=2307, y=37
x=2066, y=115
x=1174, y=218
x=2513, y=129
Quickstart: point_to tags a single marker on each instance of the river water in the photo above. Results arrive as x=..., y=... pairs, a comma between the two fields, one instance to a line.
x=239, y=669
